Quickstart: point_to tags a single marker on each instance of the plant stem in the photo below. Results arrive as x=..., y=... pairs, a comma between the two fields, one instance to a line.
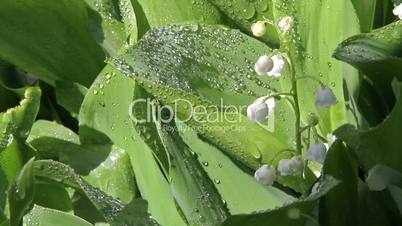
x=296, y=104
x=296, y=107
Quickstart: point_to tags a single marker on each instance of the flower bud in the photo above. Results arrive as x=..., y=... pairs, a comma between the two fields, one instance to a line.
x=325, y=98
x=312, y=119
x=260, y=109
x=285, y=24
x=263, y=65
x=398, y=11
x=258, y=28
x=288, y=167
x=317, y=152
x=265, y=175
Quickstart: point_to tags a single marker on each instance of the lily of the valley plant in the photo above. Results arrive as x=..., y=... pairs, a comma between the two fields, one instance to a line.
x=274, y=66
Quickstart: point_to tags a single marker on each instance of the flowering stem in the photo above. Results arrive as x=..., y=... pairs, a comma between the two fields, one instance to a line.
x=296, y=106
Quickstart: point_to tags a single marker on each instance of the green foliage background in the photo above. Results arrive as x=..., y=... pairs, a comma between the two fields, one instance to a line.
x=70, y=155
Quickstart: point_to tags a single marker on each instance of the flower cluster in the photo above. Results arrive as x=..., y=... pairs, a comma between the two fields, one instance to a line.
x=274, y=65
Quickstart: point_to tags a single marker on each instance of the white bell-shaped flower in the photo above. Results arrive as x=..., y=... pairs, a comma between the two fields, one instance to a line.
x=317, y=152
x=258, y=28
x=278, y=66
x=398, y=11
x=263, y=65
x=325, y=97
x=265, y=175
x=286, y=23
x=261, y=109
x=292, y=166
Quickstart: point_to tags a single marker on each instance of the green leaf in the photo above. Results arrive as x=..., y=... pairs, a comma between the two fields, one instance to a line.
x=51, y=40
x=296, y=213
x=44, y=216
x=228, y=176
x=376, y=208
x=396, y=193
x=136, y=213
x=339, y=206
x=105, y=166
x=70, y=95
x=46, y=129
x=129, y=18
x=180, y=62
x=244, y=13
x=14, y=127
x=378, y=145
x=194, y=191
x=18, y=121
x=365, y=10
x=162, y=12
x=52, y=196
x=49, y=170
x=378, y=55
x=106, y=110
x=105, y=25
x=114, y=176
x=21, y=194
x=311, y=46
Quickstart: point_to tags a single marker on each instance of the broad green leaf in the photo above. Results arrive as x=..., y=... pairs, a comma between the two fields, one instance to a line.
x=396, y=193
x=182, y=68
x=311, y=47
x=162, y=12
x=135, y=213
x=51, y=40
x=21, y=193
x=366, y=10
x=105, y=25
x=129, y=18
x=378, y=55
x=188, y=66
x=18, y=121
x=339, y=206
x=194, y=191
x=43, y=128
x=296, y=213
x=105, y=166
x=70, y=95
x=384, y=14
x=244, y=13
x=11, y=161
x=44, y=216
x=14, y=127
x=106, y=109
x=227, y=177
x=52, y=196
x=49, y=170
x=114, y=176
x=376, y=208
x=378, y=145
